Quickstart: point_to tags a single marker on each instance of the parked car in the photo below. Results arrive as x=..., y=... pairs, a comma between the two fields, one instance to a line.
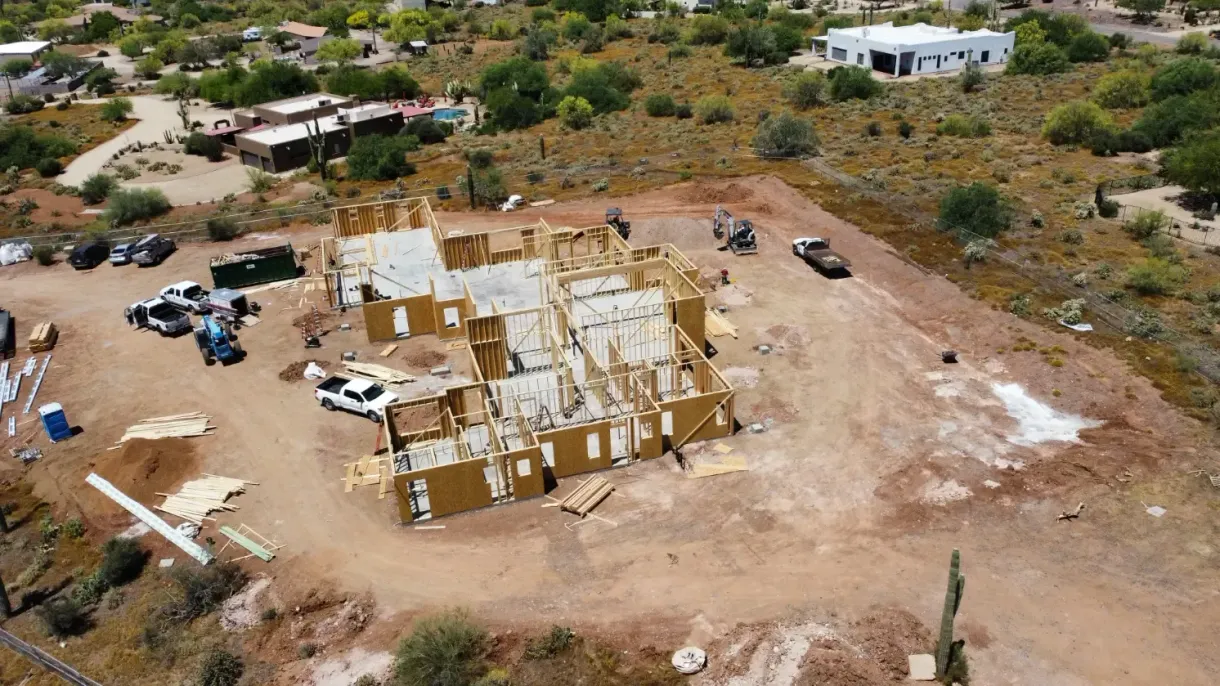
x=121, y=254
x=252, y=34
x=187, y=296
x=354, y=395
x=88, y=255
x=157, y=315
x=817, y=252
x=152, y=250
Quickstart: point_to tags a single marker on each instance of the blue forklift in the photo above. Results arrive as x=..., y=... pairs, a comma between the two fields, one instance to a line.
x=217, y=342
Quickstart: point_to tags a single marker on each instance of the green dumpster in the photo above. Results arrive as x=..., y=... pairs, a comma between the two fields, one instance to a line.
x=238, y=270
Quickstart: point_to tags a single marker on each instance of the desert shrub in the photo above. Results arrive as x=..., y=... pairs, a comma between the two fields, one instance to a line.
x=963, y=126
x=1068, y=312
x=89, y=590
x=601, y=185
x=1192, y=43
x=684, y=111
x=1182, y=77
x=1145, y=323
x=122, y=561
x=380, y=158
x=44, y=255
x=150, y=67
x=259, y=181
x=220, y=668
x=553, y=643
x=806, y=90
x=665, y=32
x=116, y=109
x=1088, y=47
x=1107, y=208
x=847, y=83
x=1075, y=122
x=307, y=650
x=905, y=129
x=660, y=105
x=479, y=158
x=443, y=650
x=972, y=77
x=222, y=229
x=678, y=51
x=63, y=617
x=750, y=42
x=605, y=86
x=785, y=136
x=177, y=84
x=977, y=210
x=575, y=112
x=48, y=167
x=201, y=144
x=872, y=129
x=131, y=205
x=715, y=109
x=1146, y=224
x=97, y=188
x=975, y=251
x=201, y=590
x=1038, y=58
x=23, y=104
x=1155, y=276
x=63, y=105
x=426, y=129
x=707, y=30
x=1122, y=90
x=1071, y=237
x=489, y=186
x=501, y=29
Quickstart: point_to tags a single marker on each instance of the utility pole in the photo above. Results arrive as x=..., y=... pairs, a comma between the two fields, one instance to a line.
x=6, y=610
x=3, y=521
x=542, y=146
x=470, y=185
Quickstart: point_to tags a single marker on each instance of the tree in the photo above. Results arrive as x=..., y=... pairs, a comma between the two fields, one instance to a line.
x=536, y=44
x=1166, y=121
x=785, y=136
x=55, y=30
x=806, y=90
x=510, y=110
x=1155, y=276
x=380, y=158
x=1122, y=90
x=396, y=83
x=129, y=205
x=849, y=83
x=101, y=26
x=273, y=81
x=752, y=42
x=101, y=81
x=63, y=617
x=975, y=210
x=195, y=54
x=1144, y=9
x=9, y=33
x=17, y=67
x=1075, y=122
x=59, y=64
x=131, y=47
x=602, y=86
x=1192, y=44
x=150, y=67
x=1089, y=46
x=1030, y=33
x=444, y=650
x=518, y=73
x=96, y=188
x=341, y=50
x=427, y=130
x=707, y=29
x=409, y=25
x=1038, y=58
x=351, y=80
x=660, y=105
x=177, y=84
x=1195, y=163
x=116, y=109
x=1182, y=76
x=575, y=112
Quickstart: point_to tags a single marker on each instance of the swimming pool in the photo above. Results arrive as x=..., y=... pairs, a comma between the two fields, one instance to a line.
x=447, y=113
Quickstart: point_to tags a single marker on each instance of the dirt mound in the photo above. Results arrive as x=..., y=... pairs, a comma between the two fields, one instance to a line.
x=702, y=193
x=145, y=467
x=425, y=359
x=296, y=371
x=325, y=319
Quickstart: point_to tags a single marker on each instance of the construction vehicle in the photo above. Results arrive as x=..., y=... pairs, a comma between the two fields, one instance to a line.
x=216, y=342
x=737, y=234
x=614, y=218
x=817, y=252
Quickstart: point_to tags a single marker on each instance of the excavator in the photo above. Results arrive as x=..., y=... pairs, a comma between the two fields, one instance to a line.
x=737, y=234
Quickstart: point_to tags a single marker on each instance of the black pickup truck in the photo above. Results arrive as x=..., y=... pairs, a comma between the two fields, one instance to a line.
x=817, y=252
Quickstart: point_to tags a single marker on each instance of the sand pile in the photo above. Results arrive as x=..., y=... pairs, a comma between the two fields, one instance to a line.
x=425, y=359
x=144, y=467
x=296, y=371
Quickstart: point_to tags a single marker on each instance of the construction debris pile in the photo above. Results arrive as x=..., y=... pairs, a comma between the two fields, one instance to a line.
x=717, y=325
x=185, y=425
x=233, y=258
x=588, y=496
x=200, y=498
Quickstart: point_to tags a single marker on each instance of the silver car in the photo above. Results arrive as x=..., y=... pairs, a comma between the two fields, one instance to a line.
x=121, y=254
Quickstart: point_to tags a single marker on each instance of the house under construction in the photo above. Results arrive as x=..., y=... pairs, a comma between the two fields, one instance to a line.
x=586, y=353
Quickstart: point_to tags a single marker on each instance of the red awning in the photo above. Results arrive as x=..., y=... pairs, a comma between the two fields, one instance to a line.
x=224, y=129
x=409, y=111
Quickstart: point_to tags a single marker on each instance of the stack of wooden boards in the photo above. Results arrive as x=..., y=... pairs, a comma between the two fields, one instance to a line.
x=200, y=498
x=717, y=325
x=172, y=426
x=376, y=373
x=587, y=496
x=368, y=471
x=728, y=464
x=43, y=337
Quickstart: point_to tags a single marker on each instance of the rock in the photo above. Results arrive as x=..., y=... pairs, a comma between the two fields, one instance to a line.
x=764, y=350
x=922, y=667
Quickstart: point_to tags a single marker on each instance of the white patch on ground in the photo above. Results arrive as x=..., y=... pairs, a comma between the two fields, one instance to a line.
x=742, y=377
x=944, y=492
x=951, y=389
x=946, y=428
x=734, y=295
x=135, y=530
x=777, y=660
x=241, y=611
x=1036, y=421
x=991, y=484
x=347, y=668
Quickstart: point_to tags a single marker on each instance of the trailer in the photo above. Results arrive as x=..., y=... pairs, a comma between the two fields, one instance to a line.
x=239, y=270
x=817, y=252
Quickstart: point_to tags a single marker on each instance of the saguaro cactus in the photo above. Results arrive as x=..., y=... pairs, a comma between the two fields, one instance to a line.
x=953, y=600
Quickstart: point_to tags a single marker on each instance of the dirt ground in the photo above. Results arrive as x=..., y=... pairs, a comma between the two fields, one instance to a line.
x=877, y=461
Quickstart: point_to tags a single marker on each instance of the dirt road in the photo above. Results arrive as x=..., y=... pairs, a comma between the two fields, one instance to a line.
x=878, y=460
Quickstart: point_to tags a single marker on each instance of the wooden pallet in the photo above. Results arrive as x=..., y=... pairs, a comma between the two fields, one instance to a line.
x=587, y=496
x=43, y=337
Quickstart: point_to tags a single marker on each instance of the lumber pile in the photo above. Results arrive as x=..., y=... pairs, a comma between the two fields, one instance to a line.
x=716, y=324
x=367, y=472
x=185, y=425
x=728, y=465
x=376, y=373
x=588, y=496
x=200, y=498
x=43, y=337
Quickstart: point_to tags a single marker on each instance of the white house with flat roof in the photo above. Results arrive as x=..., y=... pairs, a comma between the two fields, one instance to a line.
x=915, y=49
x=29, y=49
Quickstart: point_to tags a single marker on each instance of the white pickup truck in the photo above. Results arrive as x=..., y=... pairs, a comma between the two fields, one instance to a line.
x=354, y=395
x=187, y=296
x=157, y=315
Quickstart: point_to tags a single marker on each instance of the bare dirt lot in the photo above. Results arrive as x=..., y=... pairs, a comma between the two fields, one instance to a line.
x=878, y=460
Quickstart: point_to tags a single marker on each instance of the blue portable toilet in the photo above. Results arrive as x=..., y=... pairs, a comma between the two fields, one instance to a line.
x=55, y=421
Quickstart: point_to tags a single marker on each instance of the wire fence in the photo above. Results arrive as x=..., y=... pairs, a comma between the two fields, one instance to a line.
x=1131, y=184
x=1200, y=231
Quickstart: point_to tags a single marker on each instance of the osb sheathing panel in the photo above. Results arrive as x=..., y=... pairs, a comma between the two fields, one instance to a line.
x=438, y=313
x=379, y=317
x=510, y=255
x=690, y=318
x=527, y=486
x=694, y=419
x=454, y=487
x=466, y=251
x=571, y=448
x=491, y=358
x=654, y=446
x=364, y=219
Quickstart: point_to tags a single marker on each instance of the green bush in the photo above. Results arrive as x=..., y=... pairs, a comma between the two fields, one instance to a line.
x=847, y=83
x=1192, y=43
x=1038, y=58
x=1155, y=276
x=259, y=181
x=785, y=136
x=1125, y=89
x=201, y=144
x=97, y=188
x=48, y=167
x=963, y=126
x=201, y=590
x=178, y=84
x=131, y=205
x=684, y=111
x=116, y=109
x=575, y=112
x=1167, y=121
x=44, y=255
x=660, y=105
x=122, y=561
x=1146, y=224
x=426, y=129
x=749, y=43
x=977, y=210
x=1194, y=163
x=64, y=617
x=1088, y=47
x=905, y=129
x=1182, y=77
x=380, y=158
x=550, y=645
x=444, y=650
x=23, y=104
x=222, y=229
x=220, y=668
x=972, y=77
x=806, y=90
x=479, y=158
x=605, y=86
x=707, y=30
x=1075, y=122
x=715, y=109
x=1107, y=208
